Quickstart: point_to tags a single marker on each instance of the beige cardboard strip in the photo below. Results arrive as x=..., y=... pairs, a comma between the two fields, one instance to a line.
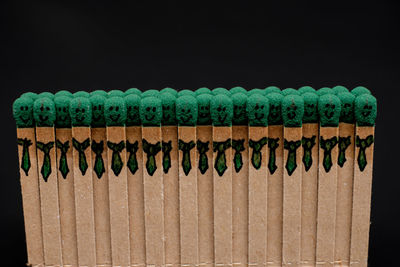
x=46, y=150
x=30, y=196
x=205, y=195
x=100, y=196
x=362, y=196
x=136, y=199
x=291, y=231
x=327, y=187
x=344, y=194
x=222, y=195
x=153, y=196
x=66, y=196
x=84, y=207
x=275, y=195
x=309, y=195
x=118, y=194
x=188, y=195
x=258, y=160
x=240, y=196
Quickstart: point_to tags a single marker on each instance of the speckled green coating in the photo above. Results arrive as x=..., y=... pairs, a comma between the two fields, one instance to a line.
x=44, y=112
x=325, y=91
x=99, y=92
x=221, y=110
x=329, y=110
x=203, y=90
x=150, y=111
x=46, y=94
x=239, y=101
x=339, y=89
x=186, y=110
x=306, y=89
x=23, y=112
x=257, y=110
x=275, y=108
x=347, y=107
x=63, y=118
x=151, y=92
x=310, y=107
x=80, y=110
x=118, y=93
x=221, y=91
x=115, y=111
x=132, y=103
x=272, y=89
x=203, y=103
x=238, y=89
x=186, y=92
x=133, y=91
x=168, y=102
x=290, y=91
x=365, y=110
x=31, y=95
x=81, y=94
x=169, y=90
x=360, y=90
x=63, y=93
x=256, y=91
x=292, y=110
x=97, y=102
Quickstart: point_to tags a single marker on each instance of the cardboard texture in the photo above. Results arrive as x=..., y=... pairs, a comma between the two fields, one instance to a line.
x=136, y=201
x=154, y=200
x=66, y=196
x=188, y=195
x=84, y=207
x=361, y=201
x=258, y=176
x=205, y=200
x=309, y=194
x=48, y=185
x=344, y=196
x=240, y=196
x=292, y=201
x=31, y=199
x=223, y=201
x=327, y=187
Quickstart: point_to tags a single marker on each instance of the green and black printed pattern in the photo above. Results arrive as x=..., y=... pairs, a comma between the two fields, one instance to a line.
x=186, y=147
x=45, y=170
x=98, y=148
x=151, y=151
x=291, y=162
x=238, y=146
x=308, y=144
x=25, y=161
x=166, y=149
x=256, y=155
x=344, y=143
x=327, y=145
x=202, y=148
x=81, y=147
x=363, y=144
x=273, y=144
x=63, y=164
x=132, y=163
x=220, y=160
x=116, y=160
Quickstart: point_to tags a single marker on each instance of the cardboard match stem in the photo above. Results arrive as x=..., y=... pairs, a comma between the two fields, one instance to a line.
x=205, y=199
x=153, y=197
x=118, y=194
x=66, y=196
x=223, y=200
x=292, y=200
x=240, y=197
x=188, y=195
x=30, y=197
x=136, y=201
x=345, y=175
x=84, y=207
x=309, y=195
x=361, y=199
x=327, y=187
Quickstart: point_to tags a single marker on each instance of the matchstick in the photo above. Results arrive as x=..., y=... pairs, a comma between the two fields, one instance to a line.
x=81, y=117
x=365, y=114
x=29, y=178
x=66, y=180
x=257, y=112
x=45, y=115
x=221, y=114
x=186, y=114
x=292, y=114
x=329, y=113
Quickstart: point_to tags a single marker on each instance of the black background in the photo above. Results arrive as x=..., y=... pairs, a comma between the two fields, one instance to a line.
x=48, y=46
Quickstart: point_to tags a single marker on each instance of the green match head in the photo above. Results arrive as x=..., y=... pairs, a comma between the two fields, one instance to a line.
x=186, y=110
x=256, y=91
x=46, y=94
x=133, y=91
x=239, y=101
x=339, y=89
x=81, y=94
x=31, y=95
x=117, y=93
x=151, y=92
x=202, y=90
x=238, y=89
x=80, y=110
x=63, y=118
x=306, y=89
x=221, y=110
x=365, y=110
x=168, y=102
x=272, y=89
x=99, y=92
x=290, y=91
x=115, y=111
x=310, y=107
x=325, y=91
x=257, y=110
x=275, y=108
x=63, y=93
x=360, y=90
x=23, y=112
x=329, y=110
x=186, y=92
x=150, y=111
x=97, y=102
x=347, y=107
x=44, y=112
x=132, y=103
x=169, y=90
x=221, y=91
x=203, y=103
x=292, y=110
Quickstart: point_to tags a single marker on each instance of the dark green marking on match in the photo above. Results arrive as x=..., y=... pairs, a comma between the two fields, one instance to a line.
x=256, y=155
x=202, y=148
x=308, y=144
x=45, y=170
x=26, y=160
x=273, y=144
x=291, y=162
x=81, y=147
x=116, y=160
x=151, y=151
x=344, y=143
x=363, y=144
x=327, y=145
x=220, y=160
x=238, y=146
x=186, y=147
x=63, y=164
x=98, y=148
x=166, y=149
x=132, y=162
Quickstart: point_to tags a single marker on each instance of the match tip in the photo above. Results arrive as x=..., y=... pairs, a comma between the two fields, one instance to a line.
x=221, y=110
x=150, y=111
x=292, y=110
x=80, y=110
x=23, y=112
x=329, y=106
x=186, y=110
x=257, y=110
x=365, y=110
